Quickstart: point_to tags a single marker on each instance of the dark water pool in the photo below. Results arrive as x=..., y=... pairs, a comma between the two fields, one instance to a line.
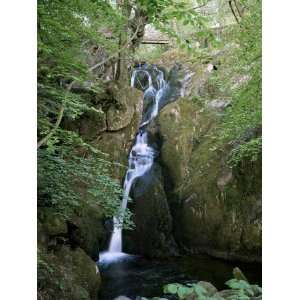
x=140, y=277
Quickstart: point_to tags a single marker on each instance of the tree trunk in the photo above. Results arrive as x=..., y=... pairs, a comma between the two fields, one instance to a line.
x=122, y=72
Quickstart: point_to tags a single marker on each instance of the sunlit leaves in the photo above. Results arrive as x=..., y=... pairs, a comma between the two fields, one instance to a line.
x=67, y=180
x=250, y=151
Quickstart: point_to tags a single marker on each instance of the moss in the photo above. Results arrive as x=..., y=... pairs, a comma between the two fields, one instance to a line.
x=70, y=274
x=53, y=224
x=218, y=206
x=87, y=231
x=152, y=235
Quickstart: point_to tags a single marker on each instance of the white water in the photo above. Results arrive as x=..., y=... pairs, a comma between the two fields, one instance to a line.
x=141, y=158
x=140, y=161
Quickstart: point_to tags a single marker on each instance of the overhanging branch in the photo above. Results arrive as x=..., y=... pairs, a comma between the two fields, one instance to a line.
x=69, y=88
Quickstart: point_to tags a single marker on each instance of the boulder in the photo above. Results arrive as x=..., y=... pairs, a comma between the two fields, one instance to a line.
x=92, y=123
x=89, y=125
x=123, y=119
x=129, y=103
x=53, y=223
x=73, y=275
x=86, y=230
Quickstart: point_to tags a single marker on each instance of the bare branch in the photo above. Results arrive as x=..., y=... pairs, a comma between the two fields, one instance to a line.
x=238, y=8
x=233, y=12
x=58, y=121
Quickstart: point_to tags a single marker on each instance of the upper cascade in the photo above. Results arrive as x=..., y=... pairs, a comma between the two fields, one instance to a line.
x=153, y=89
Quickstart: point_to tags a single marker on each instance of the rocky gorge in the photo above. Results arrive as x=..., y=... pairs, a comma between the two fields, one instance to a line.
x=194, y=203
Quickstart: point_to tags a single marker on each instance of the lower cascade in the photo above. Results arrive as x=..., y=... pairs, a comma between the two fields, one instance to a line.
x=142, y=155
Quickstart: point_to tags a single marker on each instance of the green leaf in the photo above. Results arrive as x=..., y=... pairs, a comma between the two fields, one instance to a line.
x=199, y=290
x=184, y=291
x=171, y=288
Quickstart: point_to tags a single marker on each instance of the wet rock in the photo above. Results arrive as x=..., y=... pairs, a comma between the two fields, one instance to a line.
x=224, y=179
x=152, y=236
x=117, y=140
x=83, y=270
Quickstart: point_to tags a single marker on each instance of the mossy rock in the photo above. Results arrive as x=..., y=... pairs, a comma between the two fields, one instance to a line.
x=178, y=124
x=123, y=119
x=52, y=223
x=152, y=235
x=89, y=125
x=217, y=209
x=128, y=105
x=72, y=275
x=86, y=230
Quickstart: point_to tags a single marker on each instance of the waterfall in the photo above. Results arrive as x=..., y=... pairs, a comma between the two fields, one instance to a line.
x=141, y=156
x=140, y=161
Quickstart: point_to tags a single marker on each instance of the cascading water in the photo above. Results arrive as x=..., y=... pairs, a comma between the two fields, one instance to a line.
x=141, y=156
x=140, y=161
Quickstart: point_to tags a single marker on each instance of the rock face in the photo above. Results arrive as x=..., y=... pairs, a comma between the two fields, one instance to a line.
x=123, y=120
x=128, y=109
x=216, y=209
x=153, y=236
x=73, y=276
x=66, y=269
x=87, y=231
x=112, y=124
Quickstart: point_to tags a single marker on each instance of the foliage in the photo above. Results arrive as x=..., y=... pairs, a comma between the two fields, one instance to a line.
x=44, y=268
x=245, y=289
x=72, y=171
x=245, y=112
x=239, y=78
x=65, y=30
x=181, y=14
x=169, y=15
x=67, y=166
x=250, y=150
x=189, y=291
x=196, y=291
x=150, y=53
